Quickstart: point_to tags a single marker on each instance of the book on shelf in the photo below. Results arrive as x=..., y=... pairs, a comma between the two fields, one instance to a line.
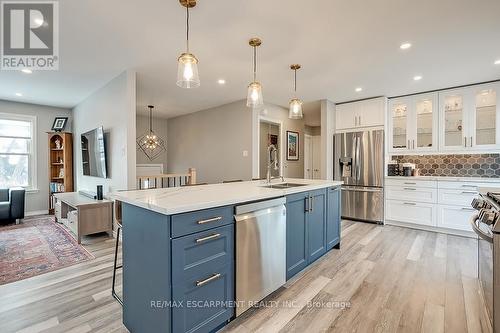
x=56, y=187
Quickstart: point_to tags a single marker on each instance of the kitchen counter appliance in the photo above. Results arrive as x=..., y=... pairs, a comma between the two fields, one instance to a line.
x=359, y=163
x=260, y=251
x=485, y=222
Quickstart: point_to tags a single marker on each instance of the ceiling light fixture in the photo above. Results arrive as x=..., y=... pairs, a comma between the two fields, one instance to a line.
x=497, y=62
x=405, y=46
x=151, y=144
x=254, y=95
x=19, y=95
x=26, y=71
x=221, y=81
x=359, y=89
x=187, y=67
x=295, y=103
x=417, y=77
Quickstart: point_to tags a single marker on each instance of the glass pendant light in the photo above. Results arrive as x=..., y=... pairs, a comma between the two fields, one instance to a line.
x=187, y=68
x=254, y=96
x=295, y=103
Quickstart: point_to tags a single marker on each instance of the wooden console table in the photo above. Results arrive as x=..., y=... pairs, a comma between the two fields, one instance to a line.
x=93, y=216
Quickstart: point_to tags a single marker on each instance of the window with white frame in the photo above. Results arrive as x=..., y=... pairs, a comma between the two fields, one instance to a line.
x=17, y=151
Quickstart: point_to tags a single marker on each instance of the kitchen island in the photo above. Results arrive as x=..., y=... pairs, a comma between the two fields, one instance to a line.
x=179, y=245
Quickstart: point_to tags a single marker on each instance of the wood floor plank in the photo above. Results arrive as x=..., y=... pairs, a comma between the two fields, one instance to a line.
x=433, y=320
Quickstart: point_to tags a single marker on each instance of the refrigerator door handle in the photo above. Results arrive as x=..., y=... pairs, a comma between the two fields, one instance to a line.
x=362, y=189
x=358, y=159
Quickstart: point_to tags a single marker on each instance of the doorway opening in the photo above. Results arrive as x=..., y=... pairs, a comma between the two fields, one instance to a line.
x=270, y=134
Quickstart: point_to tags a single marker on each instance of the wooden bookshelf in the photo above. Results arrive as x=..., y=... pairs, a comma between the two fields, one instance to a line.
x=60, y=165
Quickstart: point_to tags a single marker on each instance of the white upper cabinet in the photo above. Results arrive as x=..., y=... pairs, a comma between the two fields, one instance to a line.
x=362, y=114
x=413, y=124
x=470, y=118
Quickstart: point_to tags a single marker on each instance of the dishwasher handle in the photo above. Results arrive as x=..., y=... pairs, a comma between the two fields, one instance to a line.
x=259, y=205
x=281, y=210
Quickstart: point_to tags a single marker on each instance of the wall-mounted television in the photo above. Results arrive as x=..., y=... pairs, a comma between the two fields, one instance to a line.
x=94, y=153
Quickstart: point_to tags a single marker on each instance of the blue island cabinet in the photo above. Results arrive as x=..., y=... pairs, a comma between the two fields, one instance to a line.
x=312, y=227
x=178, y=272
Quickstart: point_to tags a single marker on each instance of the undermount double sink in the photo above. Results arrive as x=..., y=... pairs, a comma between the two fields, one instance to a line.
x=284, y=185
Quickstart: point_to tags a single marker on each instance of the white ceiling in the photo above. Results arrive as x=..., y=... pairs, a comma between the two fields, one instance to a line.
x=340, y=44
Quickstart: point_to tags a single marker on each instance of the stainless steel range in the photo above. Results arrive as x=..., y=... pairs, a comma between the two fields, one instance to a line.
x=486, y=223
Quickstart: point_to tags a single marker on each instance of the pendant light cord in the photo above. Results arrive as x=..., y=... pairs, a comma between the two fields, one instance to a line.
x=254, y=63
x=150, y=120
x=187, y=27
x=295, y=80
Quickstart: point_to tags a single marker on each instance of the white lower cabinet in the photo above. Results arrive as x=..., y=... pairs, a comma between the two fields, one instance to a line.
x=454, y=217
x=411, y=212
x=444, y=205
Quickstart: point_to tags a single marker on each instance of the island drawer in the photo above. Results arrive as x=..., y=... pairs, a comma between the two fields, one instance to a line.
x=188, y=223
x=204, y=302
x=197, y=254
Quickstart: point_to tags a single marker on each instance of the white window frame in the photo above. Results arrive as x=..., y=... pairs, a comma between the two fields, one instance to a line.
x=32, y=167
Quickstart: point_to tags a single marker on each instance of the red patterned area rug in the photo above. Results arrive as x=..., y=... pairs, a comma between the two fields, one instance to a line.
x=37, y=246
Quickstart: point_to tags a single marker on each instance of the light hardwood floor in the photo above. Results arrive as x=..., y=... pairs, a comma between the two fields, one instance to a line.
x=390, y=279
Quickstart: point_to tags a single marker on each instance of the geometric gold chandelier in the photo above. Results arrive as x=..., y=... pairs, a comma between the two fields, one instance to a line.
x=150, y=143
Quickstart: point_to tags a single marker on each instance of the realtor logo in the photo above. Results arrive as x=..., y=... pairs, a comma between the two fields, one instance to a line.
x=29, y=35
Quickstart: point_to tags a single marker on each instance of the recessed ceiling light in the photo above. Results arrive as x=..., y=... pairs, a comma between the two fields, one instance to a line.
x=26, y=71
x=38, y=21
x=405, y=46
x=19, y=94
x=358, y=89
x=417, y=77
x=221, y=81
x=497, y=62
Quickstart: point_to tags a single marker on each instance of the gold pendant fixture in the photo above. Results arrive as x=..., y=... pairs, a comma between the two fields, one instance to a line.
x=150, y=143
x=295, y=103
x=254, y=95
x=187, y=67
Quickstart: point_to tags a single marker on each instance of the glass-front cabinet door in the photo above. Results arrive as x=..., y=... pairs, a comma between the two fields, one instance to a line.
x=484, y=117
x=453, y=133
x=425, y=122
x=399, y=114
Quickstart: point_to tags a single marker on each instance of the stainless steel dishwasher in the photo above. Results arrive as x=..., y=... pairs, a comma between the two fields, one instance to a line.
x=260, y=251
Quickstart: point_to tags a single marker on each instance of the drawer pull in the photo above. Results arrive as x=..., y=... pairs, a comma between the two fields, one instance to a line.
x=469, y=209
x=204, y=239
x=469, y=192
x=214, y=219
x=409, y=203
x=470, y=186
x=410, y=189
x=410, y=183
x=207, y=280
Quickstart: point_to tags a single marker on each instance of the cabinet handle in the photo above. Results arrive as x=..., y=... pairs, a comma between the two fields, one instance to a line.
x=359, y=122
x=214, y=219
x=204, y=239
x=409, y=203
x=468, y=209
x=471, y=186
x=410, y=189
x=469, y=192
x=465, y=144
x=413, y=144
x=207, y=280
x=471, y=141
x=410, y=183
x=409, y=146
x=306, y=204
x=311, y=204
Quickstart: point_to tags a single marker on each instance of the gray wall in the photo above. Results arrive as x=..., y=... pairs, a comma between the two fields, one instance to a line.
x=160, y=128
x=212, y=141
x=113, y=107
x=38, y=201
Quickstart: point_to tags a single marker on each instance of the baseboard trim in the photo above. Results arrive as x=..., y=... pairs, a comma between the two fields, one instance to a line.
x=36, y=212
x=463, y=233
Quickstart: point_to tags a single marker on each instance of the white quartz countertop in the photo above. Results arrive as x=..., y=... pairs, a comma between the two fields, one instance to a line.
x=177, y=200
x=450, y=179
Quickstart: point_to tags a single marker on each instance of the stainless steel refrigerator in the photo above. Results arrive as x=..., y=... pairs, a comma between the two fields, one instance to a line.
x=359, y=163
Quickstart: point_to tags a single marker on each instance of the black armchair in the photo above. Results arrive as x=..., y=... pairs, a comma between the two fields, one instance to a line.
x=11, y=205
